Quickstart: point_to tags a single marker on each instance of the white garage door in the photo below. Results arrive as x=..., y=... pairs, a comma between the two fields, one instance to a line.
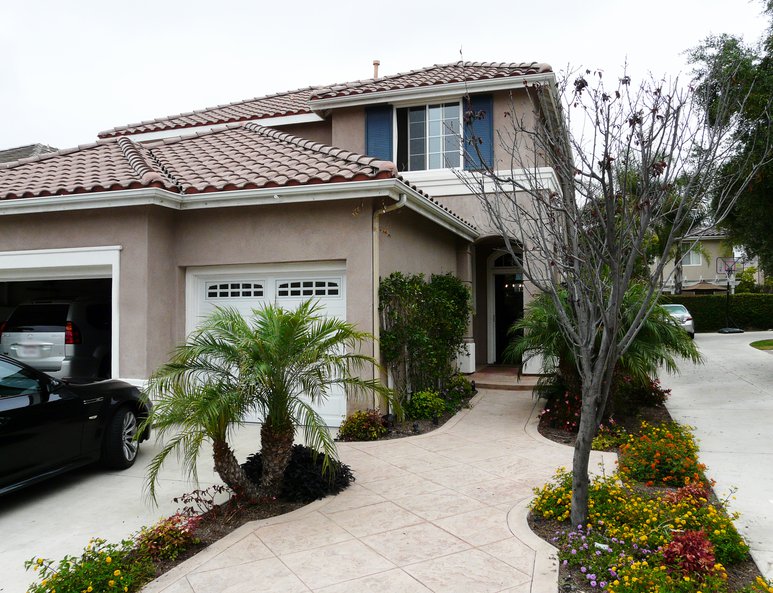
x=246, y=288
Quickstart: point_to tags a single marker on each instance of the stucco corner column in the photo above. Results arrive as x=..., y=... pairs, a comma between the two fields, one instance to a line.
x=465, y=362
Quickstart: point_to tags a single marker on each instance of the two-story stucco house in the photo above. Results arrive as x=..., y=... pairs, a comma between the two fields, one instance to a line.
x=312, y=193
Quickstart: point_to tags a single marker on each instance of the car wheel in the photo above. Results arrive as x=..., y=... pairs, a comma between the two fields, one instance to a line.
x=692, y=336
x=121, y=447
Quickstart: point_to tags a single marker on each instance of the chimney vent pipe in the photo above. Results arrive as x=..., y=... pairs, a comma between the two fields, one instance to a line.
x=376, y=64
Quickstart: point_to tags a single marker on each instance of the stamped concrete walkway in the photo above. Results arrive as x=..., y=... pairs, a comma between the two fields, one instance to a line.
x=443, y=512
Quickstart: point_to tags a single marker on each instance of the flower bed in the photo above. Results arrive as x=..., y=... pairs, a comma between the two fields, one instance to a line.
x=641, y=538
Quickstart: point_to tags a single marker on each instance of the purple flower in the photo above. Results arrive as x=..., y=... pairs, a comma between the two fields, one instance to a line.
x=598, y=552
x=583, y=570
x=565, y=562
x=603, y=584
x=593, y=583
x=574, y=552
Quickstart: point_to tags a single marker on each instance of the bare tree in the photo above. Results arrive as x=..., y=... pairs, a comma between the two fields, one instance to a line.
x=594, y=171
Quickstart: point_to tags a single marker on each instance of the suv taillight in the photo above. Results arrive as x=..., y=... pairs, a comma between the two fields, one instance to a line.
x=72, y=335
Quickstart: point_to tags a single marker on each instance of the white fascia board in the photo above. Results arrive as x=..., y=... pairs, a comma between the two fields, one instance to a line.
x=284, y=120
x=438, y=92
x=450, y=182
x=376, y=188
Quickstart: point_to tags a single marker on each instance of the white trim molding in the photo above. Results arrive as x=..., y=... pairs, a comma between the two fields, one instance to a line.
x=450, y=182
x=70, y=264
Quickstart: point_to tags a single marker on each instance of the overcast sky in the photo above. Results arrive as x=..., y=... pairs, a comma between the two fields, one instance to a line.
x=71, y=69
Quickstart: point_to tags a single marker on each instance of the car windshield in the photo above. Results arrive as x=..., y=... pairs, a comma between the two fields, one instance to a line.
x=41, y=318
x=675, y=309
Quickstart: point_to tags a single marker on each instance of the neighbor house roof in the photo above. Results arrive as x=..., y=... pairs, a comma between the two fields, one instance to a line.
x=21, y=152
x=241, y=156
x=302, y=101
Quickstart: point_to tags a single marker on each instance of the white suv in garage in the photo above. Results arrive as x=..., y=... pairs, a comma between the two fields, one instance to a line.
x=64, y=338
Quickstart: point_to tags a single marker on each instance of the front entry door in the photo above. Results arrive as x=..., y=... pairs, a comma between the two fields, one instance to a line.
x=508, y=307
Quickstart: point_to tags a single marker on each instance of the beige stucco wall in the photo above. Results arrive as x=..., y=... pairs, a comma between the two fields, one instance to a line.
x=411, y=244
x=316, y=131
x=349, y=129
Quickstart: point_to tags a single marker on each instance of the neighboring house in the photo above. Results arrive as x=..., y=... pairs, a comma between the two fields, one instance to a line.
x=23, y=152
x=702, y=249
x=271, y=199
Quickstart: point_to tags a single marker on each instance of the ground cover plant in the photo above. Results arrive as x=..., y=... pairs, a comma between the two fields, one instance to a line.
x=762, y=344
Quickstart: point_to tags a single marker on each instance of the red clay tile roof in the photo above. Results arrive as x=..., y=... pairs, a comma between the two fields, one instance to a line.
x=22, y=152
x=433, y=75
x=280, y=104
x=301, y=101
x=242, y=156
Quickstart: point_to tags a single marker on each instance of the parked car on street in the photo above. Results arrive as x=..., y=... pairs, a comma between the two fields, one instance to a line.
x=682, y=316
x=49, y=426
x=64, y=338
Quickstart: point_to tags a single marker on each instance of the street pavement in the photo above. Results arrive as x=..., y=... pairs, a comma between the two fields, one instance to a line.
x=729, y=402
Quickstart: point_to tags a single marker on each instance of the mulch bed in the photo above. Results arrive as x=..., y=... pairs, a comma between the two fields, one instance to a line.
x=572, y=580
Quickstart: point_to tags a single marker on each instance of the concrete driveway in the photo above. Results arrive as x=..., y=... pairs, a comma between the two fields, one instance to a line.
x=729, y=401
x=58, y=517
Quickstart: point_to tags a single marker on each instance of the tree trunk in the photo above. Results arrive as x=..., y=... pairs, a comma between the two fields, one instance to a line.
x=276, y=447
x=229, y=470
x=581, y=459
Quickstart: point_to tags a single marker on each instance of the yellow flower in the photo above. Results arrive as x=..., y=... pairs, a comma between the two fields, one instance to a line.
x=90, y=589
x=40, y=561
x=111, y=583
x=116, y=573
x=108, y=559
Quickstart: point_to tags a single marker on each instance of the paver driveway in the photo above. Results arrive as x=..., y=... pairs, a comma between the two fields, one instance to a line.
x=729, y=401
x=442, y=512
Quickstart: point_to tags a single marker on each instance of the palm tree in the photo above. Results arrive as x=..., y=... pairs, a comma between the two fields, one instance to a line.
x=659, y=343
x=278, y=363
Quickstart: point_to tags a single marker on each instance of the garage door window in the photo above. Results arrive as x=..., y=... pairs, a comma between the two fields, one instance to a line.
x=234, y=290
x=308, y=288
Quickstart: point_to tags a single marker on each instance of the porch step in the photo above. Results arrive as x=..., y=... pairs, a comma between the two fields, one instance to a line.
x=502, y=377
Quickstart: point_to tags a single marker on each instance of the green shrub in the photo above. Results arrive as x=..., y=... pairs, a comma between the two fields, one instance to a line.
x=425, y=405
x=363, y=425
x=101, y=567
x=167, y=538
x=422, y=328
x=457, y=391
x=747, y=311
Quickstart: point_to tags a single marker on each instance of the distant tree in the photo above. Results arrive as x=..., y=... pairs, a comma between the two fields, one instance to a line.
x=749, y=221
x=747, y=281
x=583, y=232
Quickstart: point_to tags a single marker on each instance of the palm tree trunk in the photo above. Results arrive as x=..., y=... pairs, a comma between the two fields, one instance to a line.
x=276, y=447
x=232, y=473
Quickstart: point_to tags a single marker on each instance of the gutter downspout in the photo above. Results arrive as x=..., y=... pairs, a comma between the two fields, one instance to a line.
x=375, y=263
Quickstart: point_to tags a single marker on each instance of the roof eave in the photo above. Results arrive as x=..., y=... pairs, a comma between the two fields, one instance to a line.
x=377, y=188
x=455, y=89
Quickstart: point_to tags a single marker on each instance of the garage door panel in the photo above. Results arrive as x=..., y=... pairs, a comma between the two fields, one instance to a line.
x=248, y=290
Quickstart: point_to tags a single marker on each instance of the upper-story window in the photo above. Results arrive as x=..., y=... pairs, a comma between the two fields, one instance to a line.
x=429, y=137
x=432, y=136
x=694, y=257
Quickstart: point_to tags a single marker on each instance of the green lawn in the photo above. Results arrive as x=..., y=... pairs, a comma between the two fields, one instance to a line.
x=762, y=345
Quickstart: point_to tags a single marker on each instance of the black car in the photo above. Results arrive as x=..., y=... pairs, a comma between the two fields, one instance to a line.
x=48, y=426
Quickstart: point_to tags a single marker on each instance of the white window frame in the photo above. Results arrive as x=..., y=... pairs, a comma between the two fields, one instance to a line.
x=693, y=257
x=338, y=286
x=426, y=107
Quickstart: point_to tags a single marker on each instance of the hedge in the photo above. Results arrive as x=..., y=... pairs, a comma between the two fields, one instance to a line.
x=747, y=311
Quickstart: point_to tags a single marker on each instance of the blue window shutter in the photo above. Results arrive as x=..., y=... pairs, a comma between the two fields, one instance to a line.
x=378, y=132
x=480, y=131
